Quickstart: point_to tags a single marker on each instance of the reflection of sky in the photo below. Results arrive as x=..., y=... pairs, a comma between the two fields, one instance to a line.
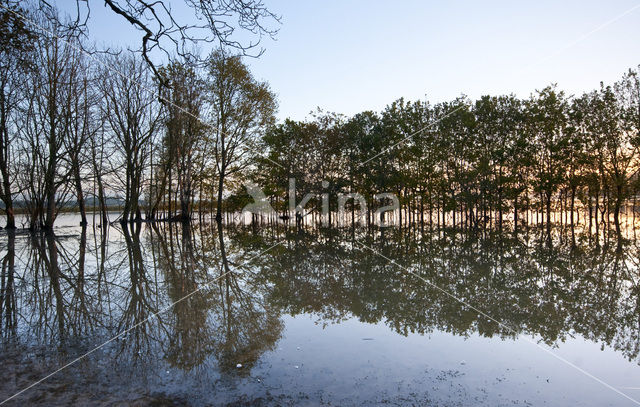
x=448, y=369
x=350, y=56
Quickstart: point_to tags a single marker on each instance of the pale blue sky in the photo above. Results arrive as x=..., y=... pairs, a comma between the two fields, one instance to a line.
x=350, y=56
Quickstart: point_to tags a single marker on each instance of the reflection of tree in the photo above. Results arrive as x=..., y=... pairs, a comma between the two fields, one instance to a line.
x=247, y=327
x=8, y=318
x=66, y=288
x=78, y=301
x=54, y=301
x=139, y=299
x=227, y=319
x=549, y=290
x=227, y=303
x=189, y=336
x=48, y=250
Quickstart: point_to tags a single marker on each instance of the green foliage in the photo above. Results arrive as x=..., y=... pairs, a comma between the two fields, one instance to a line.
x=480, y=158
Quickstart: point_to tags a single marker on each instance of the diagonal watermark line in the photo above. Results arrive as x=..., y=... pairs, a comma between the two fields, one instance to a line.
x=548, y=57
x=112, y=69
x=163, y=310
x=463, y=302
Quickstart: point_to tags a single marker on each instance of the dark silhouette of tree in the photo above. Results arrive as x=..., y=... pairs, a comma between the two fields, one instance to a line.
x=167, y=32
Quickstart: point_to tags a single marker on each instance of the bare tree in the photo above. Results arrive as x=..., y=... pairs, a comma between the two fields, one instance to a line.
x=131, y=114
x=99, y=169
x=169, y=33
x=44, y=119
x=80, y=127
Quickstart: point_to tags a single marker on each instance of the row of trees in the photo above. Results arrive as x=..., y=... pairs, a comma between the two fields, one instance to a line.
x=82, y=127
x=471, y=163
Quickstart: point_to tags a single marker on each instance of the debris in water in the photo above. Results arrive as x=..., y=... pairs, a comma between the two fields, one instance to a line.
x=297, y=367
x=367, y=339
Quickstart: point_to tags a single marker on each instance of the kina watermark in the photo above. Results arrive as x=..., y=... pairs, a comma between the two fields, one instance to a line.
x=386, y=203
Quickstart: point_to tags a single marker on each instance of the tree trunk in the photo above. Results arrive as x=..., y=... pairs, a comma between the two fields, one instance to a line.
x=80, y=196
x=515, y=212
x=549, y=196
x=6, y=187
x=616, y=211
x=220, y=190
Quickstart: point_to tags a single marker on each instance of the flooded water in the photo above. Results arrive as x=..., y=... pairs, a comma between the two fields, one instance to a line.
x=246, y=315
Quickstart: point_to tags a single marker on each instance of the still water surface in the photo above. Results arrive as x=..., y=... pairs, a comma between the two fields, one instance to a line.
x=317, y=318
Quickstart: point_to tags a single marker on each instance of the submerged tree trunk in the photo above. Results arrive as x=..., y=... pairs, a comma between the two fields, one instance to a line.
x=597, y=205
x=572, y=208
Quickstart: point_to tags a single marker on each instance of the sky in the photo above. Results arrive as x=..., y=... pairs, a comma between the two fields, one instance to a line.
x=351, y=56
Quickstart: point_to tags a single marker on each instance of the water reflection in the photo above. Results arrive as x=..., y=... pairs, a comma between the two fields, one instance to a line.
x=7, y=289
x=79, y=288
x=548, y=291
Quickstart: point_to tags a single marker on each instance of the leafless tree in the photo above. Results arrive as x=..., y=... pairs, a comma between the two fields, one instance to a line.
x=132, y=117
x=166, y=32
x=44, y=123
x=80, y=127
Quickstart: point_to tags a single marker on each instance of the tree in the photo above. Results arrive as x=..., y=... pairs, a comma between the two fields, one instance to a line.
x=182, y=101
x=45, y=116
x=132, y=116
x=16, y=47
x=80, y=127
x=619, y=118
x=547, y=121
x=455, y=144
x=167, y=32
x=241, y=108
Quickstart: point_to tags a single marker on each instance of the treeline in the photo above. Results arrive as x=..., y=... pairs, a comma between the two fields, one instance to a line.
x=77, y=124
x=472, y=163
